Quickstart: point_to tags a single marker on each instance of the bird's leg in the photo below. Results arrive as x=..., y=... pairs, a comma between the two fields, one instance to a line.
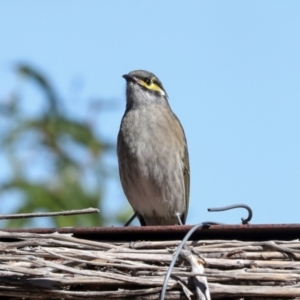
x=178, y=216
x=131, y=219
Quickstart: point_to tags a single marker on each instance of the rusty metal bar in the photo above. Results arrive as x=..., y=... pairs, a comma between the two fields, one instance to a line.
x=257, y=232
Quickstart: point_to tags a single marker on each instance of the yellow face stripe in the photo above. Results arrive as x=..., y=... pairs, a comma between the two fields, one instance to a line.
x=151, y=86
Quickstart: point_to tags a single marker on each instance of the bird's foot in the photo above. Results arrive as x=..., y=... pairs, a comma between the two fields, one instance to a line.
x=178, y=216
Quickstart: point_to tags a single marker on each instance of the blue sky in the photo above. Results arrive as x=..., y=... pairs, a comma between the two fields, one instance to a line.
x=231, y=69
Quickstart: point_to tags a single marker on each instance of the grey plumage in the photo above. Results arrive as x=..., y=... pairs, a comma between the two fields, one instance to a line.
x=152, y=153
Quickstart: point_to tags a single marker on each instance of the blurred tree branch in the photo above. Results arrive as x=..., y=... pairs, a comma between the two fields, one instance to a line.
x=66, y=150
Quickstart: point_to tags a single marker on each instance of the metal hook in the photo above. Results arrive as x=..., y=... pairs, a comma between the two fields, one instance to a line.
x=244, y=221
x=191, y=231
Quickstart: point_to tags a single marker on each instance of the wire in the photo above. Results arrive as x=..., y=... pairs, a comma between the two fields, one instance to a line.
x=176, y=254
x=244, y=221
x=191, y=231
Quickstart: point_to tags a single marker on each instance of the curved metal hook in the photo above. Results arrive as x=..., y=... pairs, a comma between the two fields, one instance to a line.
x=244, y=221
x=191, y=231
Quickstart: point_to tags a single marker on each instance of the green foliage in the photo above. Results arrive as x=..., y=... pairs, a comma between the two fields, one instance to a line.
x=70, y=180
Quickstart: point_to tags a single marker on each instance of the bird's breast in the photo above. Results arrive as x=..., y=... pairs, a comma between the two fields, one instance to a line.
x=154, y=161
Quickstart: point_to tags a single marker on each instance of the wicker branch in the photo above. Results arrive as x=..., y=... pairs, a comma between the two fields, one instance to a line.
x=50, y=214
x=59, y=266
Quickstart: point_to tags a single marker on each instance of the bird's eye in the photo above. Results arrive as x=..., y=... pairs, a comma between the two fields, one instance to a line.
x=147, y=81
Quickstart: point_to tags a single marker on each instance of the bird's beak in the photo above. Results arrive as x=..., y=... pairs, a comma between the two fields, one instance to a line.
x=128, y=78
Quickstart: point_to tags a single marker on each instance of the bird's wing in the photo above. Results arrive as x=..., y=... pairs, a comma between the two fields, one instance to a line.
x=186, y=175
x=186, y=171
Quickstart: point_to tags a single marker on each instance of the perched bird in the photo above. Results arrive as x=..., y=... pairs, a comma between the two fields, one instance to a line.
x=152, y=153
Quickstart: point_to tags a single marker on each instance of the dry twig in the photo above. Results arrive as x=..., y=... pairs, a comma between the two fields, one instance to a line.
x=59, y=266
x=50, y=214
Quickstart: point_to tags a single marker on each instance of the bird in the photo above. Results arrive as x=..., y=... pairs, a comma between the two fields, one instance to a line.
x=152, y=153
